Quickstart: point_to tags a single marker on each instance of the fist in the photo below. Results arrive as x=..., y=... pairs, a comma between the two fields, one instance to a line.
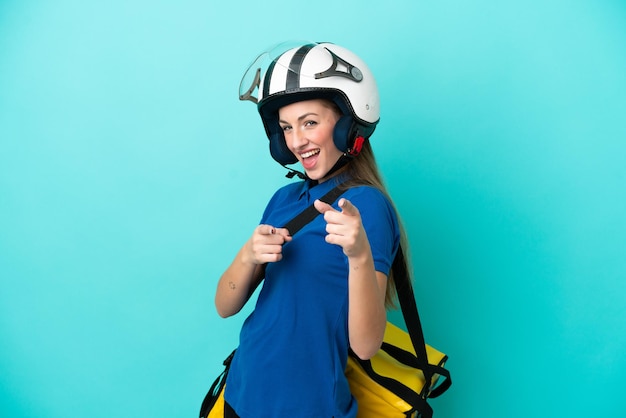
x=266, y=244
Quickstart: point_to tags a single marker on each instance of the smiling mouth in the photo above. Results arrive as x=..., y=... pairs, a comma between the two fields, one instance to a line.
x=310, y=153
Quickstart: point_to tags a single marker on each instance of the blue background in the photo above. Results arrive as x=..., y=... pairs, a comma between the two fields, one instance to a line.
x=130, y=174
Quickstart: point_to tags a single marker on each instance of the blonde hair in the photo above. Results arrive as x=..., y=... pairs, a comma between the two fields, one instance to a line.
x=363, y=170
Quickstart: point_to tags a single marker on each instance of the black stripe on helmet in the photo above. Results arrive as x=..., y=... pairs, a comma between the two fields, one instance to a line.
x=293, y=75
x=267, y=79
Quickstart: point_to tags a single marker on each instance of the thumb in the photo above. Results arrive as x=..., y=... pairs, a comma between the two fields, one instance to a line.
x=347, y=207
x=266, y=229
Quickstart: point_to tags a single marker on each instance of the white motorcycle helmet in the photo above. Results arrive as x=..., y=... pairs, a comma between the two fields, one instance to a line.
x=296, y=71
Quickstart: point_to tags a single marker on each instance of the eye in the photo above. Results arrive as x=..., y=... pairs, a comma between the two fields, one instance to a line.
x=309, y=123
x=286, y=128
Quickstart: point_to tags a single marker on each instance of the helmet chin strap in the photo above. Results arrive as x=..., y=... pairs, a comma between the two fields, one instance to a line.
x=341, y=162
x=293, y=173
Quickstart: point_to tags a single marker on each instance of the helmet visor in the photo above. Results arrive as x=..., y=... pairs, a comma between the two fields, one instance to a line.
x=251, y=81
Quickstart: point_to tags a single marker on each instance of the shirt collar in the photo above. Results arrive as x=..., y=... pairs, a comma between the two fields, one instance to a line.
x=313, y=190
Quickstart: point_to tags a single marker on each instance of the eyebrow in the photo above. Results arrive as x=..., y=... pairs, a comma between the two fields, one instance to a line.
x=300, y=117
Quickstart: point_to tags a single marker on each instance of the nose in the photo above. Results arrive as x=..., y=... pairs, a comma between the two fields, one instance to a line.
x=296, y=139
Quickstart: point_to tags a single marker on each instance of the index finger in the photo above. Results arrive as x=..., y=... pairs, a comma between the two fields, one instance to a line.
x=323, y=207
x=347, y=207
x=284, y=232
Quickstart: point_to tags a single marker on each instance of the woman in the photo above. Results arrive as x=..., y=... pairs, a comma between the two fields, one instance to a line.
x=326, y=288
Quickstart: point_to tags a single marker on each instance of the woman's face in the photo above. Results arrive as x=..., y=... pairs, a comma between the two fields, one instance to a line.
x=308, y=129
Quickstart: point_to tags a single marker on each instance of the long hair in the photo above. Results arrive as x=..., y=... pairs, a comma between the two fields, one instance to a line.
x=363, y=170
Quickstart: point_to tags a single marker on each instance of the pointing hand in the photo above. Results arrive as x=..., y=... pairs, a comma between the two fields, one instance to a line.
x=344, y=227
x=266, y=244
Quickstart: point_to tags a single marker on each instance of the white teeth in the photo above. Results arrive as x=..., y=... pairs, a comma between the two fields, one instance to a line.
x=310, y=153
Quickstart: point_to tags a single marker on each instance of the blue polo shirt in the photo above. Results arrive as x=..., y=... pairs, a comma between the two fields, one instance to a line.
x=294, y=345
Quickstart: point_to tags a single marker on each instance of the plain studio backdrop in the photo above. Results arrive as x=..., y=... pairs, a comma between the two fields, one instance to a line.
x=130, y=175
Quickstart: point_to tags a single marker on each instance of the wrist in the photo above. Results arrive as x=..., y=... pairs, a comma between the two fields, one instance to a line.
x=364, y=259
x=246, y=255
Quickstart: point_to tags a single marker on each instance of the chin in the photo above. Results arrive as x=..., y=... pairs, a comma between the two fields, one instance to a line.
x=313, y=175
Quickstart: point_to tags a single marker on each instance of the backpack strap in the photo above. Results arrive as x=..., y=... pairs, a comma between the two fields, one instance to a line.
x=406, y=297
x=310, y=213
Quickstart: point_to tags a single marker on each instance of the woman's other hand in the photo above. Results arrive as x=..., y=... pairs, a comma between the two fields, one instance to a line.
x=266, y=244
